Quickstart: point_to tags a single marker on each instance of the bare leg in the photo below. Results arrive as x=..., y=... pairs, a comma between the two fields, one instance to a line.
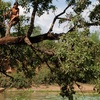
x=8, y=30
x=12, y=22
x=8, y=69
x=7, y=66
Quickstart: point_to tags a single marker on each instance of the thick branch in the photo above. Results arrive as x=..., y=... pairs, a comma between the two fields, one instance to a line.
x=35, y=39
x=30, y=30
x=11, y=40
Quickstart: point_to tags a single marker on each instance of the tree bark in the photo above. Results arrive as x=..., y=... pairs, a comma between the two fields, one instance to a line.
x=21, y=39
x=30, y=30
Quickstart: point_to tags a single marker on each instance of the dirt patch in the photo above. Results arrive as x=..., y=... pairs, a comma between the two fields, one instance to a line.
x=82, y=88
x=2, y=89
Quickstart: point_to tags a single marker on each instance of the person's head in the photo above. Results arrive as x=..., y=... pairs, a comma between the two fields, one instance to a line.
x=15, y=4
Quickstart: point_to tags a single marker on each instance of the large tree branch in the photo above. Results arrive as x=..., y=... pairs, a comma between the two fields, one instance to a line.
x=11, y=40
x=30, y=30
x=35, y=39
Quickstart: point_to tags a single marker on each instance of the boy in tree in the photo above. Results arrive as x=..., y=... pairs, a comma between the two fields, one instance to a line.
x=14, y=16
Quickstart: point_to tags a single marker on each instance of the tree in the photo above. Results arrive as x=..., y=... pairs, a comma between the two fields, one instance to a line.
x=95, y=14
x=3, y=7
x=72, y=57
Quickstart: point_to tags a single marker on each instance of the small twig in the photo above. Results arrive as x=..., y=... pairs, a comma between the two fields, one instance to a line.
x=49, y=67
x=64, y=18
x=6, y=74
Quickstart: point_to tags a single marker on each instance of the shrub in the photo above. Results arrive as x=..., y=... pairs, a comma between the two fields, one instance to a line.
x=44, y=76
x=20, y=81
x=5, y=81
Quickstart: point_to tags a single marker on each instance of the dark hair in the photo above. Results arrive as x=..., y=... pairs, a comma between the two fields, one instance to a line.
x=16, y=3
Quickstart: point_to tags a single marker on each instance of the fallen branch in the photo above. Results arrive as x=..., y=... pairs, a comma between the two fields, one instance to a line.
x=21, y=39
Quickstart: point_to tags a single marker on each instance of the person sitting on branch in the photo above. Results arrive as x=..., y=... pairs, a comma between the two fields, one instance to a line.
x=14, y=16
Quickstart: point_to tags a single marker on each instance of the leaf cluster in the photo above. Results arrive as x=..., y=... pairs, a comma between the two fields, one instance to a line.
x=95, y=14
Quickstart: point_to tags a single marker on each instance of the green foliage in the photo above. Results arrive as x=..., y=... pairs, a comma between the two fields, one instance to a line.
x=17, y=58
x=20, y=81
x=95, y=37
x=4, y=6
x=76, y=54
x=43, y=76
x=81, y=5
x=97, y=86
x=43, y=5
x=5, y=81
x=37, y=31
x=77, y=60
x=22, y=27
x=47, y=44
x=77, y=51
x=95, y=14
